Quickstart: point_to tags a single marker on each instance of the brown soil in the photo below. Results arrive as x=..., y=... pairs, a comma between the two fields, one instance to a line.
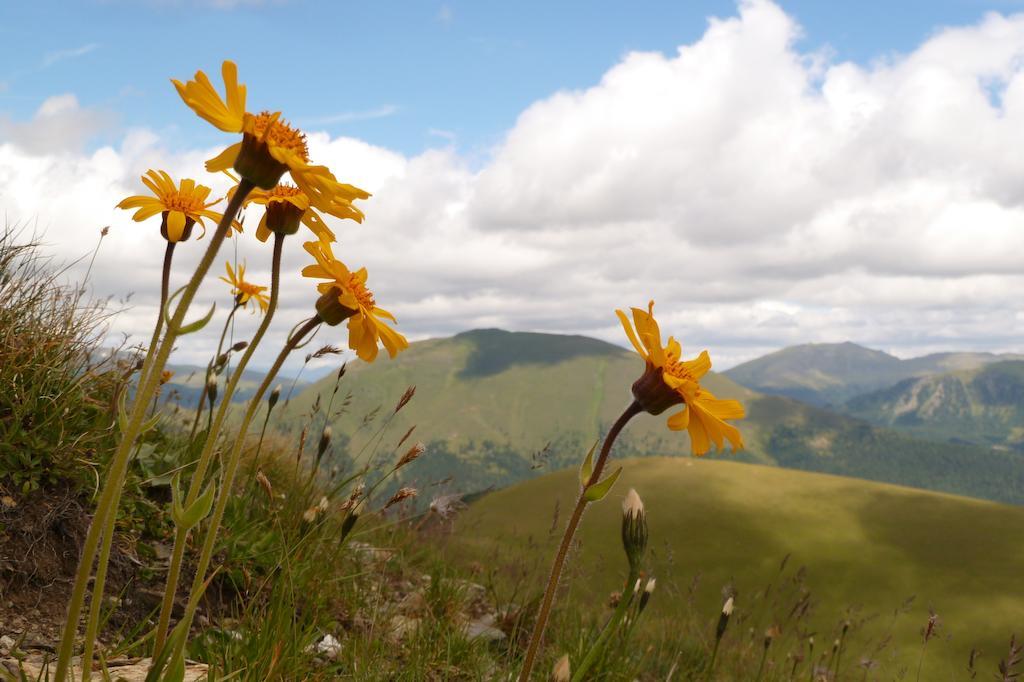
x=41, y=534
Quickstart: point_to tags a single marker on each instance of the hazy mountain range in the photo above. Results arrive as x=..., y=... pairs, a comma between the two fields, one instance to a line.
x=496, y=407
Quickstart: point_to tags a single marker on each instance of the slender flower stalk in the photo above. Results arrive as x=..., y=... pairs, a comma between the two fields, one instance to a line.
x=633, y=409
x=106, y=509
x=209, y=370
x=227, y=482
x=165, y=285
x=634, y=542
x=723, y=623
x=206, y=456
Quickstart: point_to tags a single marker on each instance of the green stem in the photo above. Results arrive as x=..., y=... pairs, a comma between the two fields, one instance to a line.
x=106, y=508
x=610, y=627
x=563, y=549
x=714, y=655
x=206, y=456
x=165, y=283
x=225, y=491
x=209, y=372
x=760, y=667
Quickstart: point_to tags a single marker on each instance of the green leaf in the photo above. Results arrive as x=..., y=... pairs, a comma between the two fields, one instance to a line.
x=198, y=324
x=187, y=518
x=167, y=306
x=150, y=423
x=122, y=411
x=587, y=468
x=601, y=488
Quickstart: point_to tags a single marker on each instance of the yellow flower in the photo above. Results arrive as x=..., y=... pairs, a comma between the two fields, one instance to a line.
x=244, y=291
x=182, y=205
x=286, y=207
x=365, y=328
x=269, y=146
x=668, y=380
x=165, y=376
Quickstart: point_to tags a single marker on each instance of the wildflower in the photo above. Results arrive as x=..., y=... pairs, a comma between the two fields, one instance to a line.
x=668, y=380
x=269, y=147
x=165, y=376
x=245, y=291
x=346, y=297
x=634, y=529
x=562, y=671
x=286, y=208
x=182, y=205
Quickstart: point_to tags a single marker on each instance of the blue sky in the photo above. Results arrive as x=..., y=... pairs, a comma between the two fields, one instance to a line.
x=789, y=172
x=404, y=75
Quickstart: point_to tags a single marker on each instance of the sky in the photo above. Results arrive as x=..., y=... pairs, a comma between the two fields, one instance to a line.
x=769, y=173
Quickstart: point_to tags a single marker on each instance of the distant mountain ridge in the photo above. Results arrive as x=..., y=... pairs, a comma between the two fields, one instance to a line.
x=497, y=407
x=832, y=373
x=983, y=405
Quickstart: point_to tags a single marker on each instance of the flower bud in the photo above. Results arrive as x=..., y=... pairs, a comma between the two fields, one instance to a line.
x=723, y=620
x=645, y=597
x=240, y=346
x=325, y=442
x=211, y=390
x=562, y=671
x=634, y=529
x=275, y=395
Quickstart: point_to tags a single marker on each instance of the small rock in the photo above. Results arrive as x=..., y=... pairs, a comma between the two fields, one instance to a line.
x=483, y=628
x=6, y=644
x=329, y=647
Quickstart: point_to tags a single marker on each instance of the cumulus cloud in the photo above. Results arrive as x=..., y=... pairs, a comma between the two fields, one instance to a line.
x=763, y=195
x=60, y=124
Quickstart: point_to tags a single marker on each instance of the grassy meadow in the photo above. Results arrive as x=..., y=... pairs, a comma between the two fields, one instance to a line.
x=866, y=549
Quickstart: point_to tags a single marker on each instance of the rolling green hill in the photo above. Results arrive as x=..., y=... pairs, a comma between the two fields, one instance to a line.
x=983, y=405
x=489, y=401
x=865, y=546
x=832, y=373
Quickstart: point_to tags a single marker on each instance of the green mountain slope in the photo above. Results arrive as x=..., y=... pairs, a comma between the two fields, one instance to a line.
x=864, y=545
x=487, y=402
x=984, y=406
x=832, y=373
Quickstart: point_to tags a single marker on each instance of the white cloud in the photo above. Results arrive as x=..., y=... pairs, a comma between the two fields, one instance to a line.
x=52, y=58
x=762, y=195
x=59, y=125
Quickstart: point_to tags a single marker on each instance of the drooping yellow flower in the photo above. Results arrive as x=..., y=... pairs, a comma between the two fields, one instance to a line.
x=668, y=381
x=269, y=147
x=286, y=207
x=245, y=291
x=365, y=326
x=182, y=206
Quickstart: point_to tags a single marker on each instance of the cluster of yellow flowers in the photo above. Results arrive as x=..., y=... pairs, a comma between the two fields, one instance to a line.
x=269, y=148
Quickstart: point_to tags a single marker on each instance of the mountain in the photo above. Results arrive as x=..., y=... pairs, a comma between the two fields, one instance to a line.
x=866, y=547
x=186, y=384
x=832, y=373
x=820, y=373
x=982, y=405
x=496, y=407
